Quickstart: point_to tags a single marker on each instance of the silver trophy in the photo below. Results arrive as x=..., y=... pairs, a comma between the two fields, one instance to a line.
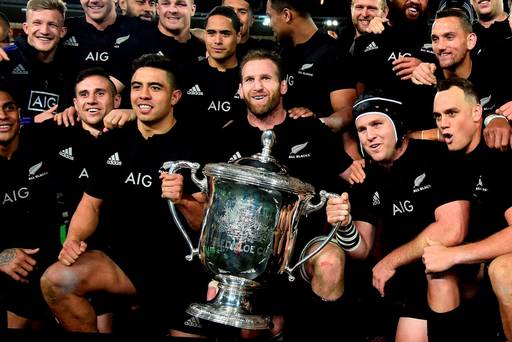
x=248, y=232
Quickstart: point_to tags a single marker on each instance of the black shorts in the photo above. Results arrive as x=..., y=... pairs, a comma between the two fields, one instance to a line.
x=165, y=285
x=406, y=292
x=25, y=300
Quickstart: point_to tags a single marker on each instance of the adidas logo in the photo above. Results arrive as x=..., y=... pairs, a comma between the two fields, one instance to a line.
x=371, y=46
x=237, y=95
x=195, y=90
x=160, y=53
x=67, y=153
x=19, y=70
x=376, y=199
x=114, y=160
x=235, y=156
x=71, y=41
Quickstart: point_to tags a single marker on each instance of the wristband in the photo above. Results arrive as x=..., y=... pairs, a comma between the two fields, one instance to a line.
x=348, y=237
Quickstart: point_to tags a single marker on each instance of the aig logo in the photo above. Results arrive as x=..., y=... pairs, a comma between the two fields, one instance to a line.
x=15, y=195
x=40, y=101
x=394, y=56
x=139, y=179
x=290, y=80
x=97, y=56
x=402, y=207
x=218, y=106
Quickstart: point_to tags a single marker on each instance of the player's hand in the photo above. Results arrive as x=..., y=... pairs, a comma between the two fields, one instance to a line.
x=18, y=263
x=382, y=272
x=423, y=74
x=67, y=117
x=71, y=251
x=376, y=25
x=405, y=66
x=117, y=118
x=172, y=186
x=300, y=112
x=338, y=210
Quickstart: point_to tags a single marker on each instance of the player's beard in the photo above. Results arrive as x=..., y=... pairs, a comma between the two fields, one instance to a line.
x=262, y=111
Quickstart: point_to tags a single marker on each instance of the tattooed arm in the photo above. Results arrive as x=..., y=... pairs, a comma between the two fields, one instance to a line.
x=17, y=262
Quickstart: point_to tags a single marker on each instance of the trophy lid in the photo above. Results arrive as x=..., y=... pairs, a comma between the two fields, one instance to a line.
x=261, y=169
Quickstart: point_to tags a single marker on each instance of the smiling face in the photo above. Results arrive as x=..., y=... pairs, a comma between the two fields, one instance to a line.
x=377, y=135
x=152, y=95
x=144, y=9
x=488, y=9
x=458, y=119
x=44, y=29
x=175, y=15
x=9, y=119
x=95, y=98
x=260, y=88
x=99, y=11
x=363, y=11
x=411, y=10
x=450, y=42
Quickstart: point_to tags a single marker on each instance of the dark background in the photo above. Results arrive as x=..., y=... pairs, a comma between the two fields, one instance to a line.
x=334, y=9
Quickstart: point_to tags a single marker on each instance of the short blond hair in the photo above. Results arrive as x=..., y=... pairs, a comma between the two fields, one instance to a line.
x=39, y=5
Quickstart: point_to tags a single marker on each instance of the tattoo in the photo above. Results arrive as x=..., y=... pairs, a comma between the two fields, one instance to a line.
x=7, y=255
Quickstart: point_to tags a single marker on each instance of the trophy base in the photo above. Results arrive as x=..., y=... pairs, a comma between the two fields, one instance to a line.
x=229, y=316
x=232, y=305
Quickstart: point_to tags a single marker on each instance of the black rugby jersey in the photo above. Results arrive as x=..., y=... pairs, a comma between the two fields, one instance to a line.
x=28, y=203
x=210, y=96
x=308, y=149
x=135, y=221
x=490, y=192
x=155, y=42
x=491, y=39
x=37, y=86
x=89, y=47
x=126, y=177
x=313, y=70
x=375, y=54
x=405, y=197
x=74, y=152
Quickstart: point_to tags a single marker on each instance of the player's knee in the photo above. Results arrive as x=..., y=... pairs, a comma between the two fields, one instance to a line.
x=329, y=264
x=59, y=280
x=500, y=273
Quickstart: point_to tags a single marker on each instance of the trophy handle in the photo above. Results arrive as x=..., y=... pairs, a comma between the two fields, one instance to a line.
x=172, y=167
x=310, y=208
x=324, y=195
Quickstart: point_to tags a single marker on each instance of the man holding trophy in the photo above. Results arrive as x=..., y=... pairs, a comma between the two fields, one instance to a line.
x=306, y=148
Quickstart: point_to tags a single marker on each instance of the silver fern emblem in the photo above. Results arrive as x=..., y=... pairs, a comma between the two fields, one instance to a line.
x=297, y=148
x=419, y=180
x=33, y=169
x=121, y=40
x=306, y=66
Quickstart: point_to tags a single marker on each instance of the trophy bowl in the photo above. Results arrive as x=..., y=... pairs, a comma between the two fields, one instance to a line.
x=248, y=232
